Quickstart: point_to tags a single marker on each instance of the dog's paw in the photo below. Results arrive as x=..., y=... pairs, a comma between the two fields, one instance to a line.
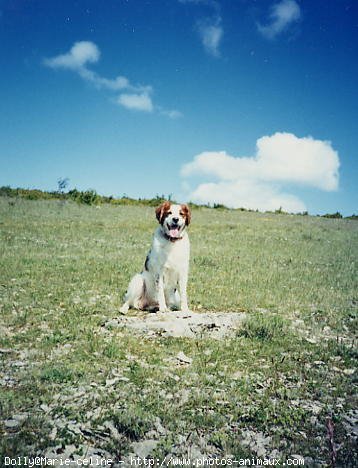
x=185, y=308
x=124, y=309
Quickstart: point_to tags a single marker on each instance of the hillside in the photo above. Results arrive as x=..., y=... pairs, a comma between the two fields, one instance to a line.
x=75, y=383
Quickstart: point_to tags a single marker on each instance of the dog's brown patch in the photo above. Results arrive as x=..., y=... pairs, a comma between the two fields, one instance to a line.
x=162, y=211
x=186, y=213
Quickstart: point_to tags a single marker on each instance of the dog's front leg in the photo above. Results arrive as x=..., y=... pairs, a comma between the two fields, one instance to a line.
x=159, y=283
x=183, y=279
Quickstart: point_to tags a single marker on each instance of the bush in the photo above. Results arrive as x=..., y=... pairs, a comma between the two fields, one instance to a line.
x=336, y=215
x=6, y=191
x=133, y=422
x=280, y=211
x=263, y=327
x=88, y=197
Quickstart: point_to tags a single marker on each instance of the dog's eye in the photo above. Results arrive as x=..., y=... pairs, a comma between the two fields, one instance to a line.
x=181, y=214
x=169, y=212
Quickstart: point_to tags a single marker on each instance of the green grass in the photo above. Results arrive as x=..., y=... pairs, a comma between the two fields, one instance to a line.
x=64, y=270
x=263, y=327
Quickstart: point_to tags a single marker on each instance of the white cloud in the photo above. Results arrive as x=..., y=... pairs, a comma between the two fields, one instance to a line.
x=285, y=157
x=282, y=15
x=80, y=54
x=84, y=53
x=139, y=102
x=247, y=194
x=255, y=182
x=116, y=84
x=211, y=32
x=172, y=114
x=210, y=29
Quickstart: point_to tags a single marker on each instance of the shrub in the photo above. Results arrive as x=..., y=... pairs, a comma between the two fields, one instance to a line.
x=133, y=422
x=88, y=197
x=53, y=373
x=263, y=327
x=6, y=191
x=336, y=215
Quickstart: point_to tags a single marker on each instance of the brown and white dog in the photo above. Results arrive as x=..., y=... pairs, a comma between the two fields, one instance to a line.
x=162, y=284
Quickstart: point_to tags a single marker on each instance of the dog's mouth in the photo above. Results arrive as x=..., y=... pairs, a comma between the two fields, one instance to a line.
x=174, y=230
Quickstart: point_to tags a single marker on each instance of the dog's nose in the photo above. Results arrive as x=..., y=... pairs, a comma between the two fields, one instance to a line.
x=175, y=220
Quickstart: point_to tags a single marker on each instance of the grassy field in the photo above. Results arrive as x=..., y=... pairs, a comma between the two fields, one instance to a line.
x=284, y=386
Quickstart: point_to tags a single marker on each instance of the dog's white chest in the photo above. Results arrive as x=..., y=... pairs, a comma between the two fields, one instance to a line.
x=177, y=255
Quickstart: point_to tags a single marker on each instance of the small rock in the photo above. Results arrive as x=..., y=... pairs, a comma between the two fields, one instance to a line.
x=158, y=426
x=73, y=426
x=237, y=375
x=311, y=340
x=196, y=454
x=79, y=394
x=112, y=324
x=45, y=408
x=7, y=381
x=113, y=430
x=11, y=423
x=257, y=442
x=181, y=357
x=20, y=417
x=111, y=382
x=297, y=457
x=144, y=448
x=350, y=422
x=53, y=434
x=184, y=396
x=19, y=363
x=275, y=454
x=68, y=451
x=181, y=439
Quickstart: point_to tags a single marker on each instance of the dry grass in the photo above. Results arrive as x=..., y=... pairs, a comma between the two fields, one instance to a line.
x=72, y=382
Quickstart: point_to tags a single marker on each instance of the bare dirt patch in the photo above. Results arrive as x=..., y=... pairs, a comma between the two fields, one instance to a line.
x=181, y=324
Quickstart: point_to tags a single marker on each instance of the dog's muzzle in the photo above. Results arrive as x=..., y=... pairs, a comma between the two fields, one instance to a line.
x=174, y=230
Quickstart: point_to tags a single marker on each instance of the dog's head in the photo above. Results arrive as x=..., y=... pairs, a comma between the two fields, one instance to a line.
x=173, y=218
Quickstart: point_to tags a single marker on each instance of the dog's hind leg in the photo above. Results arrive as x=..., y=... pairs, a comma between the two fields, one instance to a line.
x=134, y=295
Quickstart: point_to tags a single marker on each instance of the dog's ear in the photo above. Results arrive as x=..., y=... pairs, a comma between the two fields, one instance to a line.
x=162, y=211
x=187, y=213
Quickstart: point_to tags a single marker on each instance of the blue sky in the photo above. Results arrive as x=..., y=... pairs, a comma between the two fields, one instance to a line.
x=242, y=102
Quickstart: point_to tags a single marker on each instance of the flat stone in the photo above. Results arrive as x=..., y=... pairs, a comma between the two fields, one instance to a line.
x=181, y=357
x=144, y=448
x=11, y=423
x=181, y=324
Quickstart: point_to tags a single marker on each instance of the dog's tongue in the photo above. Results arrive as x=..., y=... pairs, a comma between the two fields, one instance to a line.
x=174, y=232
